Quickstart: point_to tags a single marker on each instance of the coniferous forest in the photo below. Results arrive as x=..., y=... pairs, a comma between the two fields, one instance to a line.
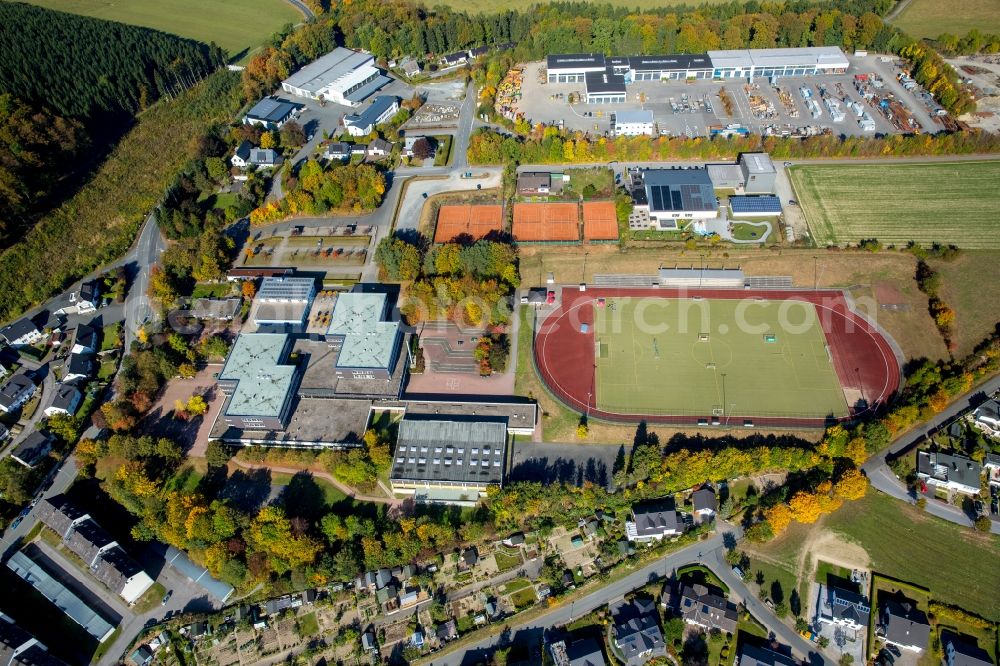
x=93, y=70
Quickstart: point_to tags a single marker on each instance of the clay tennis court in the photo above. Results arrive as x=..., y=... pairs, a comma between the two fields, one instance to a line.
x=546, y=222
x=600, y=221
x=569, y=357
x=475, y=221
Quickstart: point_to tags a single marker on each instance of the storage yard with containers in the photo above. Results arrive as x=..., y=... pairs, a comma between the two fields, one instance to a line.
x=871, y=96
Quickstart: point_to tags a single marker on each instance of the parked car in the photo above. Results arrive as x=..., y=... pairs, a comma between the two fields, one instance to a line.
x=166, y=597
x=893, y=649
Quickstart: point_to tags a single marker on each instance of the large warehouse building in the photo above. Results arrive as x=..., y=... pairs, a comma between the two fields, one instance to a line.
x=606, y=78
x=341, y=76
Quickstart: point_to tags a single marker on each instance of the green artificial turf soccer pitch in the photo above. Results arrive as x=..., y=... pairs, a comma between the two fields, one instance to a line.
x=650, y=359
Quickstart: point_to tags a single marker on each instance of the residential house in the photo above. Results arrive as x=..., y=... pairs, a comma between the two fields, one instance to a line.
x=78, y=367
x=410, y=66
x=752, y=655
x=359, y=149
x=85, y=340
x=515, y=539
x=16, y=391
x=33, y=449
x=21, y=333
x=247, y=155
x=65, y=401
x=478, y=52
x=409, y=597
x=959, y=652
x=949, y=471
x=670, y=195
x=704, y=504
x=845, y=608
x=379, y=148
x=654, y=520
x=388, y=598
x=453, y=59
x=636, y=632
x=241, y=158
x=337, y=152
x=707, y=608
x=19, y=648
x=142, y=656
x=987, y=417
x=161, y=639
x=992, y=466
x=904, y=626
x=368, y=643
x=447, y=631
x=89, y=296
x=469, y=558
x=578, y=652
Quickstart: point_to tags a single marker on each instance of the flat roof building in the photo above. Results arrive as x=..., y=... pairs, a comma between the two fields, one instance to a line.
x=258, y=382
x=341, y=76
x=366, y=345
x=762, y=205
x=448, y=460
x=382, y=108
x=605, y=87
x=670, y=195
x=282, y=304
x=573, y=67
x=806, y=61
x=46, y=584
x=758, y=172
x=701, y=277
x=634, y=123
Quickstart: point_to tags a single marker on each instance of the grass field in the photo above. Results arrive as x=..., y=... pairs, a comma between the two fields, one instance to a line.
x=930, y=18
x=667, y=368
x=949, y=202
x=235, y=25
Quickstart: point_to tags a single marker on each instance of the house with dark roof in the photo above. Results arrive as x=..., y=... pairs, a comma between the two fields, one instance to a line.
x=33, y=449
x=78, y=367
x=379, y=148
x=845, y=608
x=21, y=333
x=59, y=514
x=19, y=648
x=470, y=557
x=707, y=608
x=65, y=401
x=141, y=656
x=654, y=520
x=636, y=634
x=904, y=625
x=704, y=503
x=453, y=59
x=382, y=108
x=949, y=471
x=986, y=417
x=577, y=652
x=960, y=652
x=16, y=391
x=446, y=631
x=270, y=113
x=337, y=151
x=85, y=340
x=247, y=155
x=88, y=297
x=532, y=183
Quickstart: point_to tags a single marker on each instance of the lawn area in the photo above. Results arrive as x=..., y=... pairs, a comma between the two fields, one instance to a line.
x=442, y=157
x=931, y=202
x=308, y=625
x=235, y=25
x=824, y=570
x=652, y=361
x=151, y=599
x=516, y=584
x=110, y=335
x=601, y=178
x=750, y=231
x=328, y=241
x=331, y=493
x=523, y=598
x=220, y=200
x=506, y=562
x=930, y=18
x=107, y=369
x=212, y=290
x=186, y=479
x=907, y=544
x=699, y=574
x=965, y=290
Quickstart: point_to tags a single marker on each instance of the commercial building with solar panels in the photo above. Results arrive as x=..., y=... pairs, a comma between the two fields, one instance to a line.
x=448, y=460
x=366, y=346
x=283, y=303
x=258, y=382
x=764, y=205
x=671, y=195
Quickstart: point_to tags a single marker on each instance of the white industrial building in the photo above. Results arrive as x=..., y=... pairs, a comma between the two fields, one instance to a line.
x=807, y=61
x=633, y=123
x=341, y=76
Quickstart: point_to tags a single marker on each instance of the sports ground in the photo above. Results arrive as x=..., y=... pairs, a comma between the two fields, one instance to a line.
x=687, y=357
x=784, y=358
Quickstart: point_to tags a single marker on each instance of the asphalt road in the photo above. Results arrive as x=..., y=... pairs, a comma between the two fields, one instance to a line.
x=709, y=553
x=883, y=478
x=144, y=253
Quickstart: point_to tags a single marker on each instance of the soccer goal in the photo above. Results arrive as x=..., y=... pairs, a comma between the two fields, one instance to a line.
x=703, y=337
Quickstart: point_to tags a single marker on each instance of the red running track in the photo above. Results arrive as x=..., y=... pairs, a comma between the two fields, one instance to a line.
x=864, y=360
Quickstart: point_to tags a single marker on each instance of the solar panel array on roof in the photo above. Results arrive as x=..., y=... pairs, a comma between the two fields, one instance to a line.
x=675, y=190
x=761, y=204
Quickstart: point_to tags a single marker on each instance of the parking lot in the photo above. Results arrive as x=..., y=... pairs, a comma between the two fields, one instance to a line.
x=692, y=108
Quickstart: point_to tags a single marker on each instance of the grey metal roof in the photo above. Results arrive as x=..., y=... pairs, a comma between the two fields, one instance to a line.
x=181, y=562
x=286, y=289
x=368, y=341
x=706, y=273
x=370, y=114
x=263, y=157
x=271, y=110
x=751, y=655
x=64, y=599
x=757, y=163
x=636, y=116
x=679, y=190
x=263, y=381
x=446, y=450
x=905, y=624
x=670, y=62
x=819, y=56
x=327, y=69
x=367, y=89
x=215, y=308
x=653, y=518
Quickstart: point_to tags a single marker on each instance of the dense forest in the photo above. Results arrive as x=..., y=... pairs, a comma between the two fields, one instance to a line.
x=34, y=147
x=94, y=70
